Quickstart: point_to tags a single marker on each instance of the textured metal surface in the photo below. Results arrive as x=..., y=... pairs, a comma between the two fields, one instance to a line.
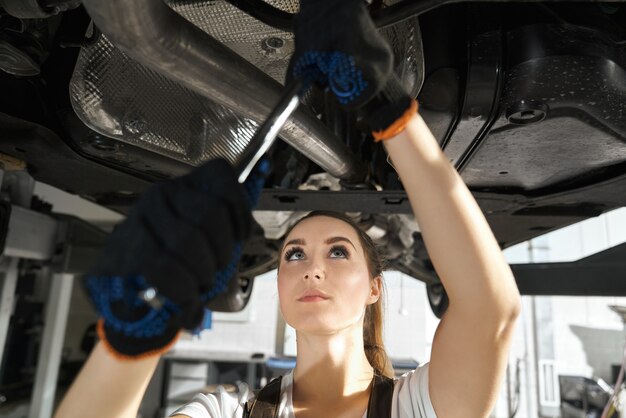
x=176, y=49
x=575, y=78
x=124, y=100
x=118, y=97
x=405, y=39
x=584, y=127
x=267, y=48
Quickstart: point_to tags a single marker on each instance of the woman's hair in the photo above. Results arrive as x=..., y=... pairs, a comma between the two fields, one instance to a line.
x=373, y=322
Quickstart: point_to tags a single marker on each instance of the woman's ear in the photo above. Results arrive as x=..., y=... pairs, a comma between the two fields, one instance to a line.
x=376, y=288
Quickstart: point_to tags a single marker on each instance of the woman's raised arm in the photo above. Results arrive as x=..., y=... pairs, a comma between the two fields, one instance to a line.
x=107, y=387
x=175, y=239
x=472, y=341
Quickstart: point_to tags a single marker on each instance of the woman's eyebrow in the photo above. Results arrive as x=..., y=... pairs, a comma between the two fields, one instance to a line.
x=339, y=239
x=297, y=241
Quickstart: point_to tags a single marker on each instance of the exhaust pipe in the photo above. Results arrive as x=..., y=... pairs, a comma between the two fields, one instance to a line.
x=159, y=38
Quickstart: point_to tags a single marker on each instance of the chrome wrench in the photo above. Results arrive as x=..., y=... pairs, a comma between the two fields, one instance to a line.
x=260, y=143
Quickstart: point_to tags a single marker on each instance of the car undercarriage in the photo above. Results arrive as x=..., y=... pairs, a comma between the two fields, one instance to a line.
x=527, y=99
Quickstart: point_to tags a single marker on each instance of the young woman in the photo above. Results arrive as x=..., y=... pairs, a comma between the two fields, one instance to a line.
x=330, y=286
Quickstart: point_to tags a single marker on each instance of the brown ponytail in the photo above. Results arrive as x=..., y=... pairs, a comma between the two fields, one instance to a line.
x=373, y=339
x=373, y=322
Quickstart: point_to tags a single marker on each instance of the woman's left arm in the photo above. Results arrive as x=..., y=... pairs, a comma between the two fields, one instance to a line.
x=472, y=341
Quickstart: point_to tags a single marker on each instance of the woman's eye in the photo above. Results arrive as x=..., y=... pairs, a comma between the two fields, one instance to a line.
x=297, y=255
x=338, y=252
x=294, y=254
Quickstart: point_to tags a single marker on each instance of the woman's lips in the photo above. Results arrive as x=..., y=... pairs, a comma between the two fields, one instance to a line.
x=312, y=299
x=313, y=295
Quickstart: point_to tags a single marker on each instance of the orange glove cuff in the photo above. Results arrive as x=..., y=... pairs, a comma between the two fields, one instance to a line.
x=398, y=126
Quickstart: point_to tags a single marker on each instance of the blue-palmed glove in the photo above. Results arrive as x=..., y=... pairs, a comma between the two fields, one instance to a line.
x=175, y=239
x=338, y=46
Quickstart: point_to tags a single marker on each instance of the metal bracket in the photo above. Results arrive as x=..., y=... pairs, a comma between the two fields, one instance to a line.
x=601, y=274
x=371, y=201
x=30, y=235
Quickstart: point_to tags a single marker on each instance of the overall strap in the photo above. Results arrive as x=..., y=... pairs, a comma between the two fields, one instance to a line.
x=379, y=405
x=265, y=404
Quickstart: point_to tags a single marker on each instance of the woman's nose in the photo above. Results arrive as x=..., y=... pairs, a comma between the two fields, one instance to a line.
x=310, y=276
x=314, y=273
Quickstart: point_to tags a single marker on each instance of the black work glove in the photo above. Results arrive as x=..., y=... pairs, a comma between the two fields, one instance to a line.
x=175, y=239
x=338, y=46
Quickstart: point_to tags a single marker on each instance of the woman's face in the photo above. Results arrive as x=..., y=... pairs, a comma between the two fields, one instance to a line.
x=324, y=283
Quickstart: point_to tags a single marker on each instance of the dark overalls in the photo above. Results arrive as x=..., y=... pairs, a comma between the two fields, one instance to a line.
x=265, y=404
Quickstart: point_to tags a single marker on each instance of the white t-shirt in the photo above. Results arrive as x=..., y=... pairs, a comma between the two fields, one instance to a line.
x=410, y=400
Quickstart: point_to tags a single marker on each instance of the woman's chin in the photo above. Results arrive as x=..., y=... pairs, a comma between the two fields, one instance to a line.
x=317, y=325
x=323, y=324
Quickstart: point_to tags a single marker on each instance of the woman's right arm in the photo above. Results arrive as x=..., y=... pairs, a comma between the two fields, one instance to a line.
x=107, y=387
x=175, y=238
x=471, y=344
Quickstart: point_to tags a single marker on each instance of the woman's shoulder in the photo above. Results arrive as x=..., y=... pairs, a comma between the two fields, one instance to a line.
x=411, y=395
x=415, y=375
